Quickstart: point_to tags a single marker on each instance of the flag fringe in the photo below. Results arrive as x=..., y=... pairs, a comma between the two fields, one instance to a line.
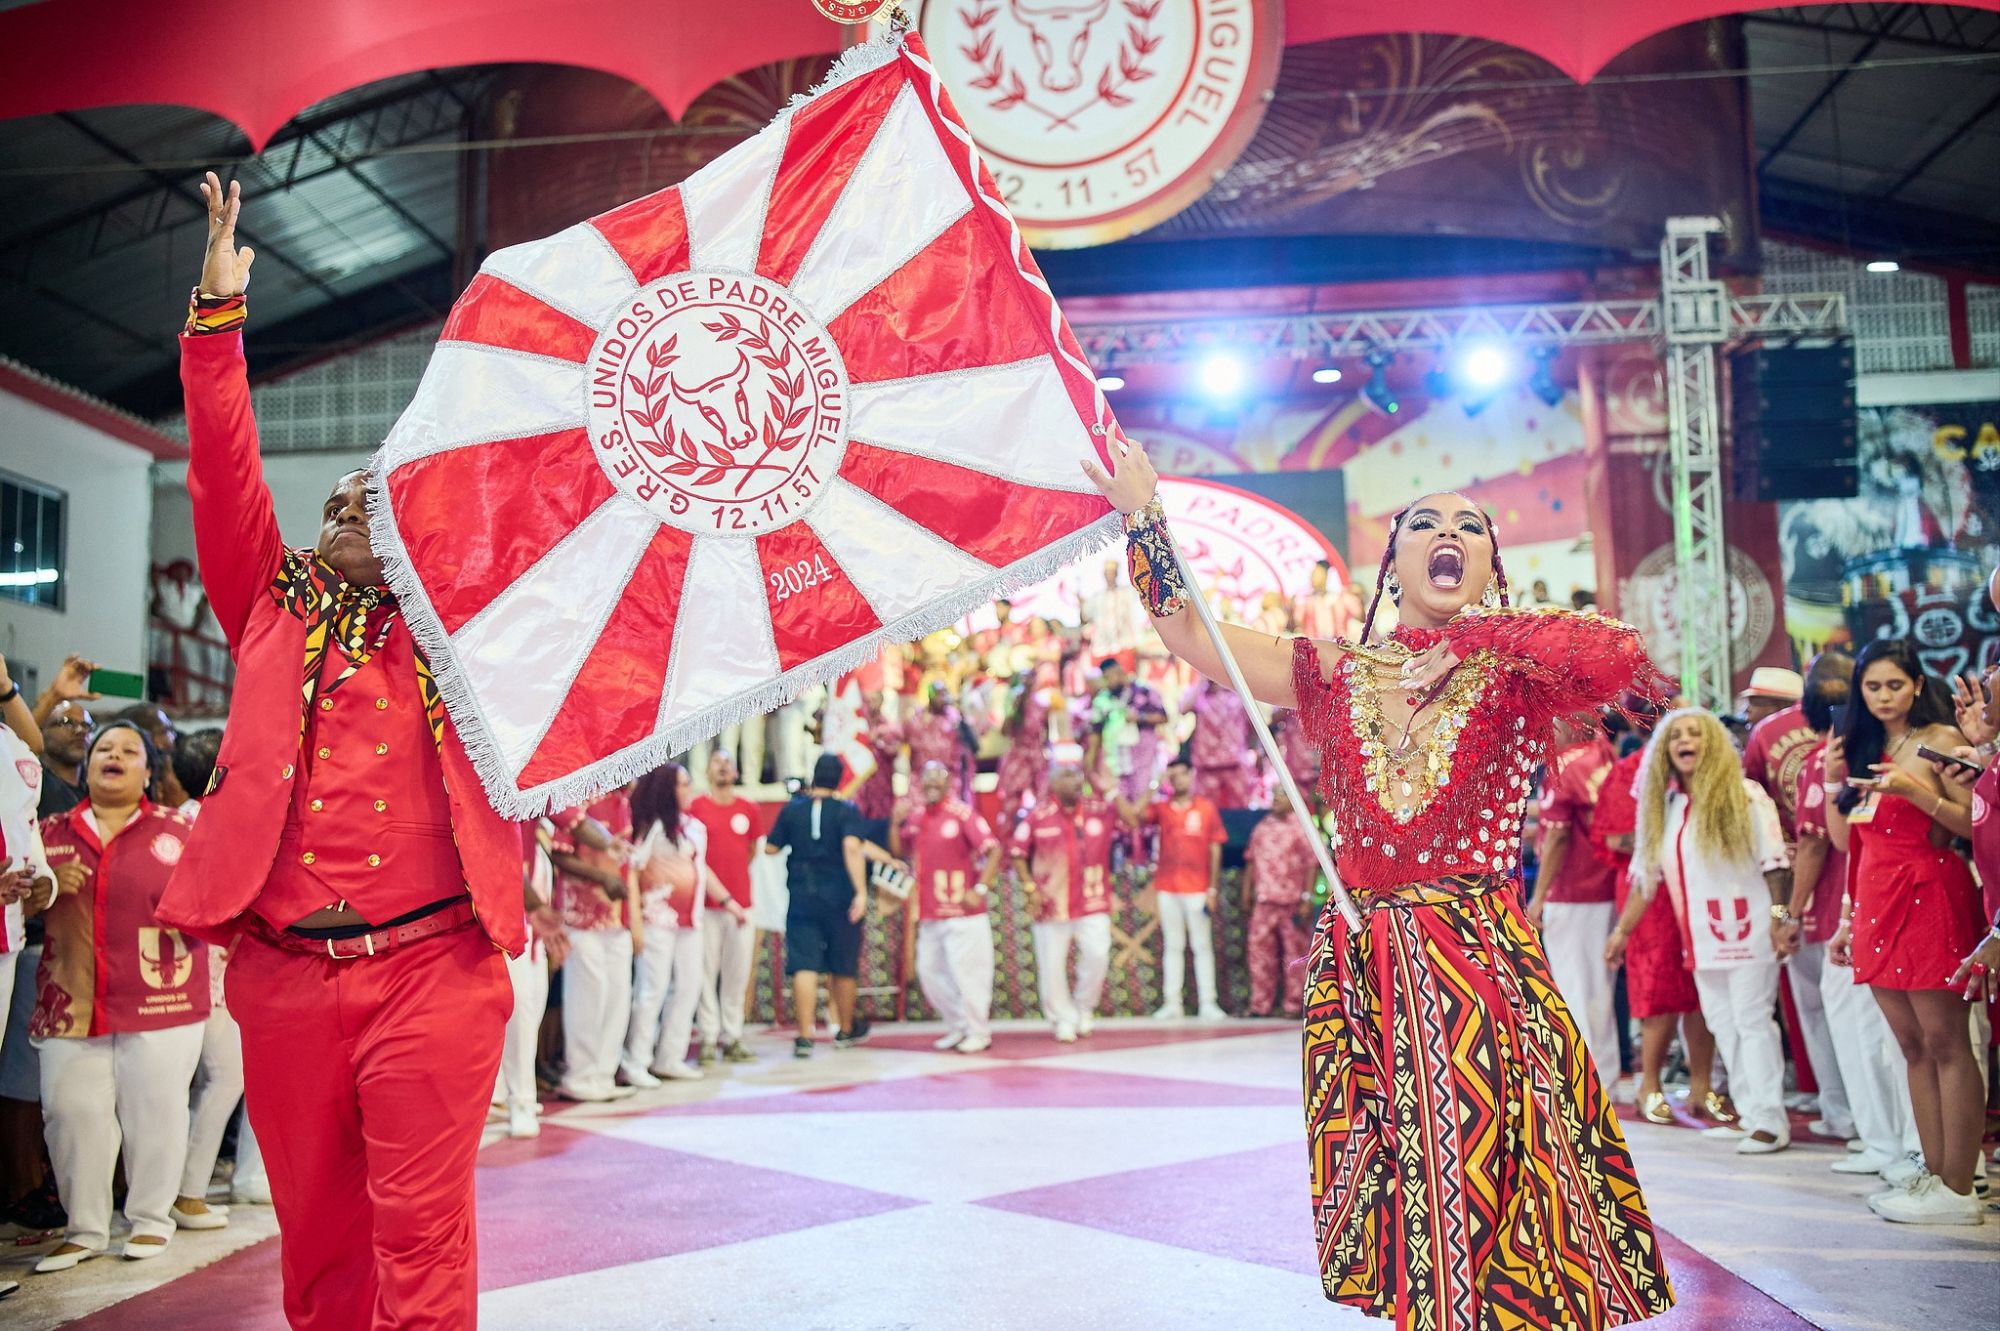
x=855, y=61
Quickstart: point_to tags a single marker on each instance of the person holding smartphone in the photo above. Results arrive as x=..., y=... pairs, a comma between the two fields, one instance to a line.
x=1915, y=913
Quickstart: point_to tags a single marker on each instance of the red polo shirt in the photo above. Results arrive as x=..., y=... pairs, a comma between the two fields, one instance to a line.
x=1186, y=833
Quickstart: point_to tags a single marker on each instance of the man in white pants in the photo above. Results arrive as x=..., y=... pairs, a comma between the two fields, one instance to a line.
x=597, y=904
x=729, y=940
x=1184, y=884
x=1062, y=850
x=1574, y=898
x=951, y=849
x=529, y=975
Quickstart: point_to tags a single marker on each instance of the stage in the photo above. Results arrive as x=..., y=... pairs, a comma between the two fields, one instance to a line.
x=1153, y=1176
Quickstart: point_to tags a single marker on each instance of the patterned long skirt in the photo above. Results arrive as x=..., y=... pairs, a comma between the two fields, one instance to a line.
x=1467, y=1171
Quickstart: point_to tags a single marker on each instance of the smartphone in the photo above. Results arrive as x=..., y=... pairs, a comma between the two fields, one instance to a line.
x=118, y=684
x=1963, y=764
x=1839, y=714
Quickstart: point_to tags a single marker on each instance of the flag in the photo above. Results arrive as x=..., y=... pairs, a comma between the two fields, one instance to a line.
x=671, y=466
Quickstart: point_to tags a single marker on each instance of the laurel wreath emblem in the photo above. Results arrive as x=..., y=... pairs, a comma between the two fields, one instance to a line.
x=997, y=77
x=787, y=400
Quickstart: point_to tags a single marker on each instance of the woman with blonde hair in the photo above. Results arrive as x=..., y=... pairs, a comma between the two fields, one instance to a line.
x=1713, y=837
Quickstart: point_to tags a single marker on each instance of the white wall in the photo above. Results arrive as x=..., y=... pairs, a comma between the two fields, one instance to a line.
x=109, y=517
x=300, y=483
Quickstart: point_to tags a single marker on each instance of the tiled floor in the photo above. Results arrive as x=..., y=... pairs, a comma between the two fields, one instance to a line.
x=1153, y=1177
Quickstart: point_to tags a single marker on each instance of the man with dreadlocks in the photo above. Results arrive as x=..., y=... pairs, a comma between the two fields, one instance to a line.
x=1468, y=1171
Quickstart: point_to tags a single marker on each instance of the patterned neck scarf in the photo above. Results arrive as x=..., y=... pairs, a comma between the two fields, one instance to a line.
x=345, y=626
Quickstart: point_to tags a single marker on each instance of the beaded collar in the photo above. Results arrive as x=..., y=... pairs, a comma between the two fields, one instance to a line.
x=1405, y=781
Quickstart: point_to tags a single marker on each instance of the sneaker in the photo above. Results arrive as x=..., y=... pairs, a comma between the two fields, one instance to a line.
x=522, y=1121
x=1750, y=1145
x=1867, y=1162
x=706, y=1057
x=802, y=1048
x=976, y=1044
x=1901, y=1173
x=618, y=1092
x=853, y=1035
x=678, y=1072
x=638, y=1079
x=1212, y=1012
x=1085, y=1025
x=1856, y=1145
x=1930, y=1202
x=1065, y=1033
x=734, y=1052
x=949, y=1040
x=1169, y=1012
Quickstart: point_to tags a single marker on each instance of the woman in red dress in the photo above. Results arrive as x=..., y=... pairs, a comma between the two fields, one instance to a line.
x=1915, y=914
x=1659, y=987
x=1468, y=1171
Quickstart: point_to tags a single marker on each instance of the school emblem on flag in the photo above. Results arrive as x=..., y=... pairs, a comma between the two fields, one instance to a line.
x=674, y=464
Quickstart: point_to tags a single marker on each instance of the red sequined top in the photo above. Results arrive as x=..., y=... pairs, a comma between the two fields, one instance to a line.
x=1452, y=802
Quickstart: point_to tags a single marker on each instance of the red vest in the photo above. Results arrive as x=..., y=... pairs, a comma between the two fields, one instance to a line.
x=232, y=855
x=109, y=967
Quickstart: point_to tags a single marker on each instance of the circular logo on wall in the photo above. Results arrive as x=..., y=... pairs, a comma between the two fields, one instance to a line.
x=1099, y=118
x=1650, y=605
x=718, y=402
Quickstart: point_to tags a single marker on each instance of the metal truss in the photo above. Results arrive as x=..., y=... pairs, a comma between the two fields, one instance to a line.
x=1693, y=318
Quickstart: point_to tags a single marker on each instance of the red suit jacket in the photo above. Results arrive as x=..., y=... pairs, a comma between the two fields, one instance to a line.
x=235, y=843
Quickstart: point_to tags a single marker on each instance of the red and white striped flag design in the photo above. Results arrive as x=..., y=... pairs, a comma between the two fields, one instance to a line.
x=678, y=462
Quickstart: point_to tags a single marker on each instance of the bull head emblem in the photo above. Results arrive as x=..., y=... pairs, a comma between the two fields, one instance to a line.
x=724, y=402
x=1060, y=30
x=165, y=960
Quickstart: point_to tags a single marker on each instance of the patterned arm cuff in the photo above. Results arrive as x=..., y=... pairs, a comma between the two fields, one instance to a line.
x=213, y=314
x=1154, y=567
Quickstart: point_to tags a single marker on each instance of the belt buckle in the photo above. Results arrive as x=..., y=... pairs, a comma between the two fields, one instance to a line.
x=368, y=941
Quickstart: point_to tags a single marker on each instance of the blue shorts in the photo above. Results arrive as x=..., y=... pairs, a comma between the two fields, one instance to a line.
x=820, y=938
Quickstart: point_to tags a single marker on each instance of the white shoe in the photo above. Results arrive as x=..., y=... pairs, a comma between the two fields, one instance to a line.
x=976, y=1044
x=1928, y=1203
x=1751, y=1146
x=63, y=1261
x=1212, y=1012
x=1856, y=1146
x=678, y=1072
x=1065, y=1033
x=212, y=1218
x=1725, y=1133
x=1867, y=1162
x=250, y=1192
x=522, y=1122
x=1086, y=1025
x=1169, y=1012
x=949, y=1040
x=1903, y=1172
x=136, y=1251
x=639, y=1079
x=617, y=1092
x=1820, y=1127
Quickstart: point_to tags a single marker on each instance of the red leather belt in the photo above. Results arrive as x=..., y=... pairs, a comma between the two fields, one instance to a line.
x=449, y=920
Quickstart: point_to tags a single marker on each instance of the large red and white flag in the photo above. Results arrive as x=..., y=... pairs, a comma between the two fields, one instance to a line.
x=678, y=462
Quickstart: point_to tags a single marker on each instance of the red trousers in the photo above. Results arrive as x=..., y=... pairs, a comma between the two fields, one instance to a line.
x=367, y=1082
x=1278, y=942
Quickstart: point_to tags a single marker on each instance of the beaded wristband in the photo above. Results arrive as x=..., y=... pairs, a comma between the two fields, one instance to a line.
x=1150, y=560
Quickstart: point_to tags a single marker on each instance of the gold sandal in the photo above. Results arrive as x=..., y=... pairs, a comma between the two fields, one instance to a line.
x=1654, y=1108
x=1717, y=1109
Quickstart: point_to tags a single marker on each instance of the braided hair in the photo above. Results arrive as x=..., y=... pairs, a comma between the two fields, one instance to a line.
x=1389, y=561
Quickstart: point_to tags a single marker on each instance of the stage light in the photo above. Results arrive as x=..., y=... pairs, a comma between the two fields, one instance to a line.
x=1885, y=266
x=1486, y=365
x=1326, y=376
x=1542, y=383
x=1437, y=383
x=1110, y=383
x=1222, y=375
x=1378, y=392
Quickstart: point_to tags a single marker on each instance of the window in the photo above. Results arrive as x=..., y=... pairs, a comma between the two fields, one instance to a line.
x=31, y=542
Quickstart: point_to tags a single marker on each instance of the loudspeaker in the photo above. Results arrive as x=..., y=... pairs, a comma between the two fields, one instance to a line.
x=1792, y=418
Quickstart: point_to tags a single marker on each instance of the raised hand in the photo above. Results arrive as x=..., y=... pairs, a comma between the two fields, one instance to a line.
x=225, y=270
x=1131, y=483
x=72, y=682
x=1977, y=704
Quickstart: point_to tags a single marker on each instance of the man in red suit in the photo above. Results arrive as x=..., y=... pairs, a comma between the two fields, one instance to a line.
x=346, y=846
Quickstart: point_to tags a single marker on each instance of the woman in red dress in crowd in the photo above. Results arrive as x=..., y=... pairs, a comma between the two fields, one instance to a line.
x=1915, y=914
x=1468, y=1171
x=1659, y=987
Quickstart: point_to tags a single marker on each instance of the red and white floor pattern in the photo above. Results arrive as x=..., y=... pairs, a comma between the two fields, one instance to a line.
x=1151, y=1177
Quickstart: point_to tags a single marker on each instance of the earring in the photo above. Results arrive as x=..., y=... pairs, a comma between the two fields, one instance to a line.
x=1491, y=600
x=1394, y=586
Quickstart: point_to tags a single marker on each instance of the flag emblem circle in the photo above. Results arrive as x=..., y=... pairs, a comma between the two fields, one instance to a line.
x=718, y=402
